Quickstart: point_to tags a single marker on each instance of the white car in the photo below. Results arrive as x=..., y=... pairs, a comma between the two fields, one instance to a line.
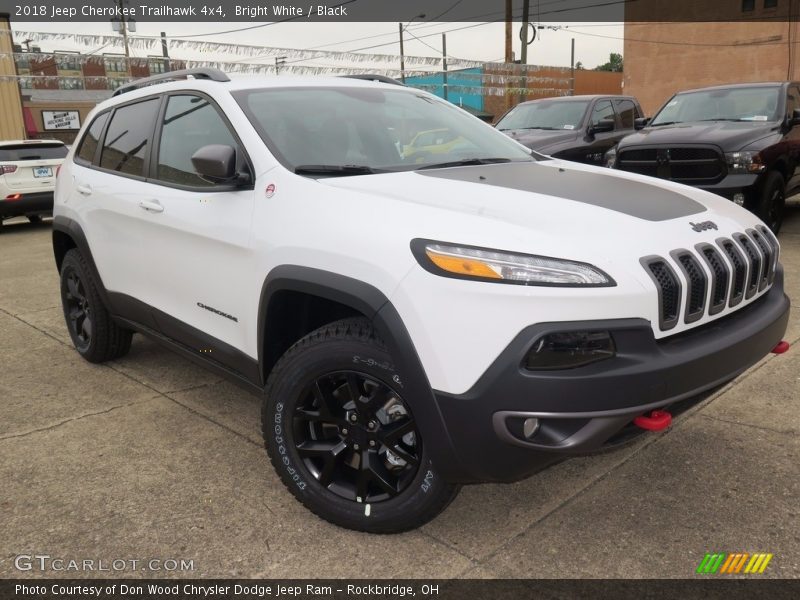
x=412, y=326
x=28, y=177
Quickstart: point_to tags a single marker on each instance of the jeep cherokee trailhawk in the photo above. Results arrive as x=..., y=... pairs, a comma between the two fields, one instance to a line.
x=413, y=322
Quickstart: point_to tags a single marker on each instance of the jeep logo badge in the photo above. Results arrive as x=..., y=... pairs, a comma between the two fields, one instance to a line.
x=704, y=226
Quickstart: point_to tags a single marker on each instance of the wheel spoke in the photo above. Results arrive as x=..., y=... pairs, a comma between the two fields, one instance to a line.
x=354, y=387
x=72, y=286
x=373, y=465
x=86, y=328
x=332, y=460
x=392, y=432
x=326, y=405
x=401, y=452
x=375, y=399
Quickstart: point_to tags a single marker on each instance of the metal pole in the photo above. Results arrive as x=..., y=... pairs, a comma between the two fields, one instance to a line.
x=124, y=31
x=524, y=50
x=509, y=53
x=444, y=65
x=572, y=70
x=165, y=51
x=402, y=56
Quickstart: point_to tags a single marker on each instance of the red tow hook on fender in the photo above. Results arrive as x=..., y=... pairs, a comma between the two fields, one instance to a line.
x=783, y=346
x=657, y=420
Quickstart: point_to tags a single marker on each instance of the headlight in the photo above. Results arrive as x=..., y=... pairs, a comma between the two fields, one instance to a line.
x=467, y=262
x=744, y=162
x=610, y=157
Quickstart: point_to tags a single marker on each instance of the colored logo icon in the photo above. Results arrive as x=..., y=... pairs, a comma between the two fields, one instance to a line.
x=721, y=563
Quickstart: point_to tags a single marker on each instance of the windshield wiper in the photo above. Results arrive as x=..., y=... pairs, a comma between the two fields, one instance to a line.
x=336, y=170
x=543, y=128
x=664, y=123
x=466, y=162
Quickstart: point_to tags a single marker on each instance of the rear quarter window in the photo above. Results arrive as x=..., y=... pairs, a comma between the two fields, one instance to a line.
x=128, y=137
x=88, y=147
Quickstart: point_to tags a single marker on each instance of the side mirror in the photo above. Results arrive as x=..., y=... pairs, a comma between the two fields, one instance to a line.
x=640, y=123
x=217, y=163
x=795, y=118
x=603, y=126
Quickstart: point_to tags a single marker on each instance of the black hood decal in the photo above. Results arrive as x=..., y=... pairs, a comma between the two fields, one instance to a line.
x=632, y=198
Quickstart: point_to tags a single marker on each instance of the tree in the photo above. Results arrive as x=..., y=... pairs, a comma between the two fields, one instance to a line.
x=614, y=63
x=579, y=66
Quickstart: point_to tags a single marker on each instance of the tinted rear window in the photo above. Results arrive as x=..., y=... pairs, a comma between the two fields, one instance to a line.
x=32, y=152
x=127, y=137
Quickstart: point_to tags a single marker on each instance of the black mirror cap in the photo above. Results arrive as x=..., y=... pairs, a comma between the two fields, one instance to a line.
x=603, y=126
x=641, y=122
x=795, y=118
x=216, y=163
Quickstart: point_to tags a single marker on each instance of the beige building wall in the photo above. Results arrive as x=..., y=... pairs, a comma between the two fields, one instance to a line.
x=663, y=57
x=12, y=126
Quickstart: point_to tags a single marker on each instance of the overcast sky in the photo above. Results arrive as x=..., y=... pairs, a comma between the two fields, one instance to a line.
x=470, y=41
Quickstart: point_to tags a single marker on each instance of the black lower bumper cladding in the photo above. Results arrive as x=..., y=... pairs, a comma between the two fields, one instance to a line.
x=579, y=410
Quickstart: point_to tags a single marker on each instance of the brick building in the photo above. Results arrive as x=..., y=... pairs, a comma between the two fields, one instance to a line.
x=690, y=43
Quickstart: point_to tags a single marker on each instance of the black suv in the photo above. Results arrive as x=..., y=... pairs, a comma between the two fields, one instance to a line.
x=578, y=128
x=738, y=141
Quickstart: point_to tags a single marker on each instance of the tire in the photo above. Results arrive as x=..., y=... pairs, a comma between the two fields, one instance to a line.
x=96, y=336
x=770, y=204
x=354, y=458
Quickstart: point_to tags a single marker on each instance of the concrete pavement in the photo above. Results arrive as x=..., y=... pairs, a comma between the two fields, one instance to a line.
x=150, y=457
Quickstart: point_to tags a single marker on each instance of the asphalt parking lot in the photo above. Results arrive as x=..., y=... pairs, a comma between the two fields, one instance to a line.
x=150, y=457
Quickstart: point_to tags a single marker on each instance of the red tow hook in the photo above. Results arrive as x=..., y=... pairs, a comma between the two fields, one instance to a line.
x=783, y=346
x=657, y=420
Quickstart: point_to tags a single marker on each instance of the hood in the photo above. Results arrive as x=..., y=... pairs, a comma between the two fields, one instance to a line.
x=535, y=139
x=730, y=136
x=551, y=207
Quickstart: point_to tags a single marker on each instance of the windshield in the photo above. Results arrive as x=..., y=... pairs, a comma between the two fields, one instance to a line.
x=735, y=104
x=312, y=130
x=17, y=152
x=545, y=114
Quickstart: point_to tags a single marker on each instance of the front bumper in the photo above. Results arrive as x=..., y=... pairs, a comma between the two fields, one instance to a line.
x=35, y=203
x=580, y=410
x=746, y=184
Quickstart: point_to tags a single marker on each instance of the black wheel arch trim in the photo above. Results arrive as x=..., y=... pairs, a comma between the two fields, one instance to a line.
x=74, y=231
x=375, y=306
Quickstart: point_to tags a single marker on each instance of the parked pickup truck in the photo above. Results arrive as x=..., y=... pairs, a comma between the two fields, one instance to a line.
x=739, y=141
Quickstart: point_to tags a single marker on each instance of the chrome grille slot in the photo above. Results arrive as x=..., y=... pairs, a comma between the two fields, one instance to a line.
x=720, y=277
x=697, y=285
x=754, y=263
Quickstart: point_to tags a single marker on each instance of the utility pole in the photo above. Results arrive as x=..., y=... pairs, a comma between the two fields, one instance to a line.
x=279, y=62
x=523, y=33
x=444, y=65
x=572, y=70
x=402, y=56
x=509, y=53
x=124, y=31
x=165, y=51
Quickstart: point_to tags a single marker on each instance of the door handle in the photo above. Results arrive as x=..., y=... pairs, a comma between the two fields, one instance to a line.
x=151, y=206
x=84, y=189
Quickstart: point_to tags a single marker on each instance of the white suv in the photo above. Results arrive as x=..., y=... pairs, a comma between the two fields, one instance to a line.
x=414, y=322
x=28, y=177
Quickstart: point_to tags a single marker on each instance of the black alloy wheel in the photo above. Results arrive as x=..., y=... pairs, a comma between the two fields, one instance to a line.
x=356, y=437
x=78, y=310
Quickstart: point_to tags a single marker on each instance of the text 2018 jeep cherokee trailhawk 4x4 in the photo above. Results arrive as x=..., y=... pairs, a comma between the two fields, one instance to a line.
x=412, y=326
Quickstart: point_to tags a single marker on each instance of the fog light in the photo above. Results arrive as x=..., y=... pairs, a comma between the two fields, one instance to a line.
x=530, y=427
x=738, y=199
x=570, y=349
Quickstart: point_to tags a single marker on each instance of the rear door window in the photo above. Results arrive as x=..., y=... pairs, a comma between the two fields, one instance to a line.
x=128, y=138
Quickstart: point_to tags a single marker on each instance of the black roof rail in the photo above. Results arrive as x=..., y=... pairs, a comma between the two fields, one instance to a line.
x=199, y=73
x=378, y=78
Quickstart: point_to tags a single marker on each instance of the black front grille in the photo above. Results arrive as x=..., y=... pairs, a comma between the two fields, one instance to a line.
x=669, y=290
x=715, y=276
x=766, y=251
x=697, y=281
x=739, y=271
x=720, y=277
x=754, y=263
x=694, y=165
